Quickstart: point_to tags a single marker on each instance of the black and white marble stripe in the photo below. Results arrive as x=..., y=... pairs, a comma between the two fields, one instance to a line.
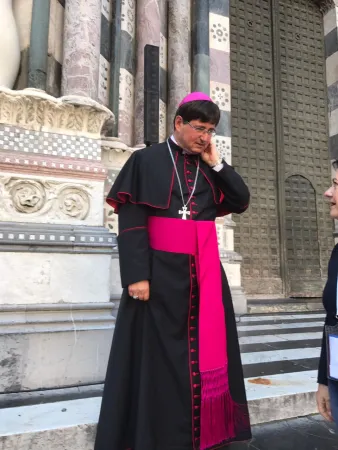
x=331, y=54
x=280, y=353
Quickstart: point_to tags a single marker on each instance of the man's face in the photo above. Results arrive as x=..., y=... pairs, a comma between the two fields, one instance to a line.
x=194, y=136
x=332, y=195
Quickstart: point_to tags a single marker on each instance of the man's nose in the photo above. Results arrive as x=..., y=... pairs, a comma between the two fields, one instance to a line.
x=329, y=192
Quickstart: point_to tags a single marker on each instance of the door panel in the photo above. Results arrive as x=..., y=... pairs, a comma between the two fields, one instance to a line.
x=278, y=82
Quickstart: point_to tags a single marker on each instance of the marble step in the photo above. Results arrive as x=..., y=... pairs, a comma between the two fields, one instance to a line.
x=284, y=305
x=280, y=357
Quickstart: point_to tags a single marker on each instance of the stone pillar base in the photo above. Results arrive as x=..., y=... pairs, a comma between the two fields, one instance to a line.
x=232, y=265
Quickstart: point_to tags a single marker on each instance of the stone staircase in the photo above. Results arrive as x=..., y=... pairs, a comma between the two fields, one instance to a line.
x=284, y=305
x=280, y=356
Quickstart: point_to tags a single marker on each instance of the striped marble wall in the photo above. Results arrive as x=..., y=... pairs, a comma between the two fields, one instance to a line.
x=105, y=52
x=219, y=36
x=127, y=72
x=163, y=69
x=331, y=50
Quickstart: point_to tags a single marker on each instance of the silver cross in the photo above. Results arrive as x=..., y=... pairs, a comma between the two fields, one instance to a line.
x=184, y=212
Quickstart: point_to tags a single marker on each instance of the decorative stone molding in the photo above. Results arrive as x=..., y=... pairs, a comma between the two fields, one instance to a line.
x=45, y=238
x=53, y=318
x=35, y=110
x=114, y=152
x=25, y=199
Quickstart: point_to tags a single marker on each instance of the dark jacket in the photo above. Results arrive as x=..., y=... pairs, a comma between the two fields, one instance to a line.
x=330, y=305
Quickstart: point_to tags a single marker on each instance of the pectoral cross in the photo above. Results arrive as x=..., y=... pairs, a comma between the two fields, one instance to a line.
x=184, y=211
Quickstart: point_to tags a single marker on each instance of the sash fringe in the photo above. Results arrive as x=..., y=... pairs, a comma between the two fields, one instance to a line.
x=221, y=417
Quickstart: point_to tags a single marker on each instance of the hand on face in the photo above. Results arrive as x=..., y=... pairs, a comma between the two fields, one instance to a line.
x=210, y=155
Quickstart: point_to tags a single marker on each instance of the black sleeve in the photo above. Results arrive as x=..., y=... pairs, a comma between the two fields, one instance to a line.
x=133, y=244
x=236, y=193
x=322, y=370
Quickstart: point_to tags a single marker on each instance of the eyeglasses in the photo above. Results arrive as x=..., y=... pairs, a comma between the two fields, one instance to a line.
x=201, y=130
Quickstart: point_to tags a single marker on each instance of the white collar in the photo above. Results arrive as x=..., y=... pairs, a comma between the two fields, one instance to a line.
x=172, y=137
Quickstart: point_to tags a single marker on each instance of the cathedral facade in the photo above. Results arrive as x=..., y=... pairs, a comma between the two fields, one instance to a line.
x=72, y=114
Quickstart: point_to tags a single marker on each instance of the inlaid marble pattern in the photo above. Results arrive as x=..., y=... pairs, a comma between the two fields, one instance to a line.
x=126, y=106
x=163, y=52
x=19, y=140
x=163, y=121
x=128, y=16
x=104, y=76
x=126, y=90
x=221, y=95
x=224, y=147
x=219, y=32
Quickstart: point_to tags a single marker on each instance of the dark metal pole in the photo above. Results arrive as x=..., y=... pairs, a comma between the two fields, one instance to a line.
x=151, y=94
x=115, y=65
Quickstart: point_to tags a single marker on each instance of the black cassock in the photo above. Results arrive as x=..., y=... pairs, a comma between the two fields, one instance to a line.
x=152, y=390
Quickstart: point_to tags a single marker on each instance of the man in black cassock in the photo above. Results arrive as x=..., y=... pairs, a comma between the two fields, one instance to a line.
x=174, y=379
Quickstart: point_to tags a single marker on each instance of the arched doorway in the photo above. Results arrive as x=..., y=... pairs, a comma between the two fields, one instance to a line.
x=304, y=275
x=279, y=126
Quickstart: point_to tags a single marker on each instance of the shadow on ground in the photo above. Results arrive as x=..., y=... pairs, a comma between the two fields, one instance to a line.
x=308, y=433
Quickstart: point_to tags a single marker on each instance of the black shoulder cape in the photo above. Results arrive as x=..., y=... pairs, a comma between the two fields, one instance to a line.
x=148, y=176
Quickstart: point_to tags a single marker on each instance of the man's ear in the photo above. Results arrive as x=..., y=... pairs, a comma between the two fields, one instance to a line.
x=178, y=123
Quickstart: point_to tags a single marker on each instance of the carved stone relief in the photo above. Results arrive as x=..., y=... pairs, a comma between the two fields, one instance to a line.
x=74, y=202
x=27, y=196
x=28, y=199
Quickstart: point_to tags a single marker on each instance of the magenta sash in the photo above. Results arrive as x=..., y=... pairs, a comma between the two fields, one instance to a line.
x=199, y=239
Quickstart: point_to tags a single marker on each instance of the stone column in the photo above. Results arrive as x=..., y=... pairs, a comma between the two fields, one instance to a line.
x=127, y=73
x=179, y=51
x=81, y=55
x=163, y=70
x=147, y=32
x=55, y=311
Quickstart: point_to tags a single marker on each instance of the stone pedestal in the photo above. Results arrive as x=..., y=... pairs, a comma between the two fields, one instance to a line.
x=114, y=155
x=231, y=262
x=55, y=252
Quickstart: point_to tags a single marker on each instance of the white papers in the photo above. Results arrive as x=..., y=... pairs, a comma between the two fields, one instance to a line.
x=333, y=346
